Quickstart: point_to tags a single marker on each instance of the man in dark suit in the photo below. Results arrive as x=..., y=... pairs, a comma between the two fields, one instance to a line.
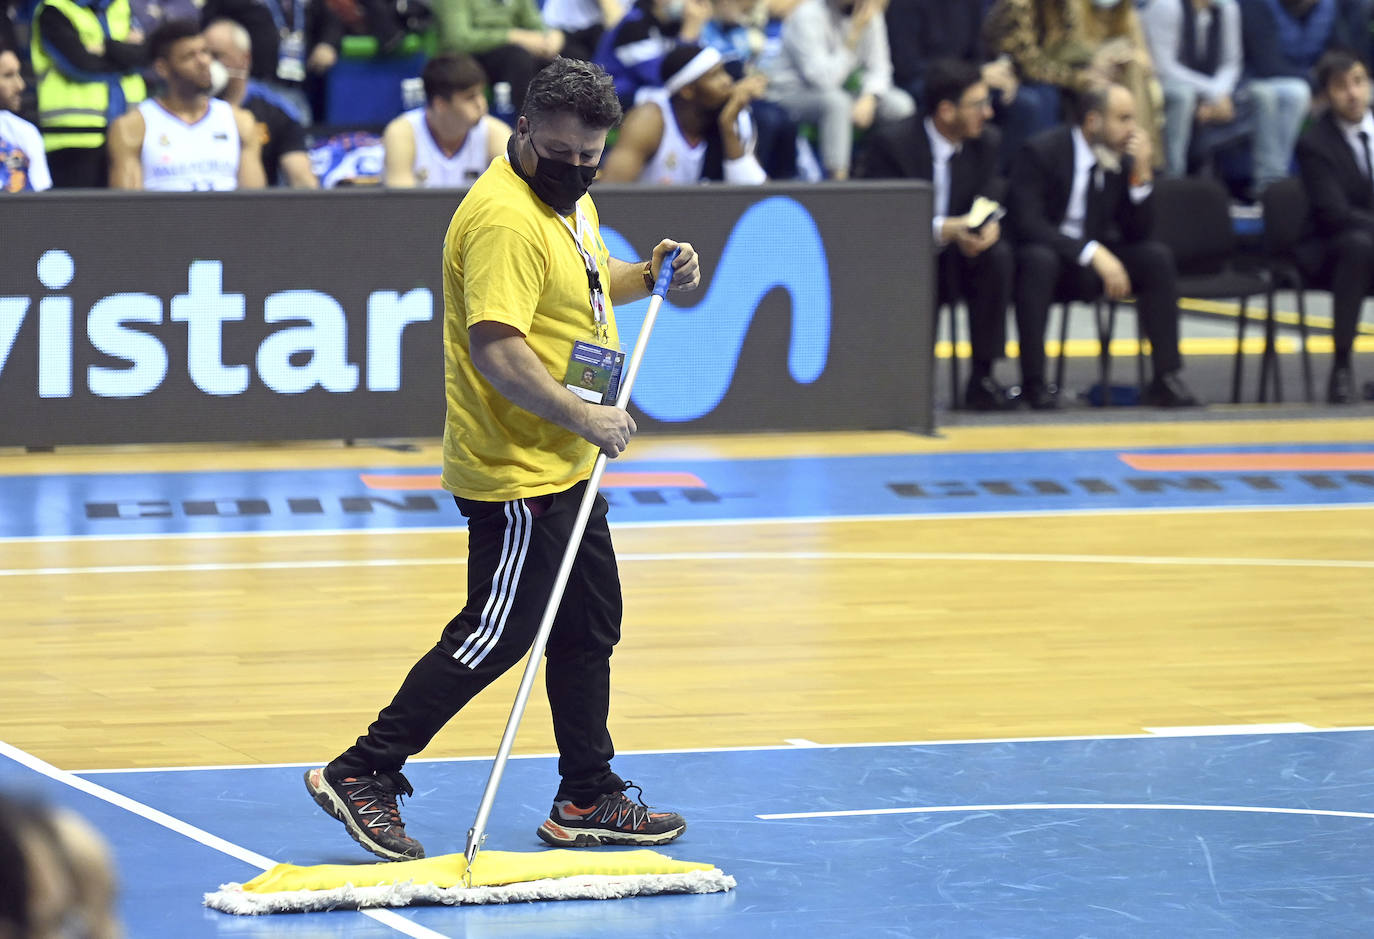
x=954, y=149
x=1081, y=213
x=1334, y=155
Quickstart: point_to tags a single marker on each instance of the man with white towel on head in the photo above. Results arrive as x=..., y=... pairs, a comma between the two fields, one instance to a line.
x=696, y=128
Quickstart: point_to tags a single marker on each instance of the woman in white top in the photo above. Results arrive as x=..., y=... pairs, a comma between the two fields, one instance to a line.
x=450, y=141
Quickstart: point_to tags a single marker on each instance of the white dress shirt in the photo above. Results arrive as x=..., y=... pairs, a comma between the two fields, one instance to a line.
x=1076, y=216
x=1352, y=136
x=941, y=152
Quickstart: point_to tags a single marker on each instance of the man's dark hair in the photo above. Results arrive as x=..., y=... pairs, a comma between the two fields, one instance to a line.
x=169, y=34
x=947, y=80
x=445, y=75
x=1333, y=65
x=571, y=86
x=1092, y=100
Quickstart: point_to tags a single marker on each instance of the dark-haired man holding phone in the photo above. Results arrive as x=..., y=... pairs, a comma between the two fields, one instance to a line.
x=955, y=149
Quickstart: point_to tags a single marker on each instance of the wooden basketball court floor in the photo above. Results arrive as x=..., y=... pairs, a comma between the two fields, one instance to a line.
x=1050, y=680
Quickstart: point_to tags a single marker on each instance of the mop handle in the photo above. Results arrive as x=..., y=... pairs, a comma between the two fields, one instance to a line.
x=478, y=832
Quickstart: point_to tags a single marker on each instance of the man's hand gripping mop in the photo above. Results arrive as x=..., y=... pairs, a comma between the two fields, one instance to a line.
x=492, y=876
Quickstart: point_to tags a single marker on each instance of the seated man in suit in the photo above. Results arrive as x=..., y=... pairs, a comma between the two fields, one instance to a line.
x=1081, y=213
x=955, y=149
x=1334, y=154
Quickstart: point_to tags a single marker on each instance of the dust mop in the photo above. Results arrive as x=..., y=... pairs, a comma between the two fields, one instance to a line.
x=494, y=876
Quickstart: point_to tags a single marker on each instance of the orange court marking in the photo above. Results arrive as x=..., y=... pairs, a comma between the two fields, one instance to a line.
x=1228, y=462
x=402, y=482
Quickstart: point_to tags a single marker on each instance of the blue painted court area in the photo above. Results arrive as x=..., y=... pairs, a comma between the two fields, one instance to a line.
x=678, y=492
x=1238, y=835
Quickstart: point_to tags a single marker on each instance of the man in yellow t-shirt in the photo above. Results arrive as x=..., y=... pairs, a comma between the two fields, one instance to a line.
x=529, y=289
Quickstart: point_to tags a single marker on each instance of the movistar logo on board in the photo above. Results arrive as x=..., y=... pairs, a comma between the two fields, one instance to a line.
x=693, y=355
x=311, y=352
x=695, y=350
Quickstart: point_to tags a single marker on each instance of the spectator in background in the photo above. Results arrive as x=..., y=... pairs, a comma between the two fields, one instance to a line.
x=508, y=37
x=293, y=42
x=696, y=128
x=921, y=31
x=835, y=69
x=1196, y=48
x=583, y=23
x=632, y=51
x=284, y=156
x=23, y=161
x=184, y=140
x=1115, y=25
x=745, y=35
x=1337, y=166
x=957, y=152
x=1282, y=40
x=450, y=141
x=1081, y=214
x=86, y=60
x=1048, y=44
x=150, y=14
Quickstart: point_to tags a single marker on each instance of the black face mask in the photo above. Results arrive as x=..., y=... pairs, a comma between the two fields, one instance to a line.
x=557, y=184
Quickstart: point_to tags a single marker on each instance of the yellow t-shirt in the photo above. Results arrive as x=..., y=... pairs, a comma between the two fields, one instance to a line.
x=509, y=258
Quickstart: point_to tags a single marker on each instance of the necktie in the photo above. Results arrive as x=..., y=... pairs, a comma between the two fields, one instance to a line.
x=1092, y=215
x=1368, y=162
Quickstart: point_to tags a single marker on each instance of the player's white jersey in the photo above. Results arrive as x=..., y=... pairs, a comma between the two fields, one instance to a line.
x=182, y=157
x=433, y=170
x=676, y=162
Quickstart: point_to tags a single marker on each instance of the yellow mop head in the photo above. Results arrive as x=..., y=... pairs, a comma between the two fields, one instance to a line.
x=497, y=877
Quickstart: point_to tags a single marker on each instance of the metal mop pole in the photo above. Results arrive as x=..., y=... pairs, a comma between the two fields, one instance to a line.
x=478, y=832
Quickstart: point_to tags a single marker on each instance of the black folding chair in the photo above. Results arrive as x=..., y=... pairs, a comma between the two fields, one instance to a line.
x=1193, y=217
x=1286, y=212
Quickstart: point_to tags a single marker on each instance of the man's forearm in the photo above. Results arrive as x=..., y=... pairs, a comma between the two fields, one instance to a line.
x=517, y=373
x=627, y=281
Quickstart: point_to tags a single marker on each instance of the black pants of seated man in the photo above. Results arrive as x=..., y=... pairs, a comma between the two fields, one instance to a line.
x=1043, y=277
x=514, y=549
x=984, y=284
x=1344, y=264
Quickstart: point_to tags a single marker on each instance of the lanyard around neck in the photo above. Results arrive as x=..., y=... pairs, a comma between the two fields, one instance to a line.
x=596, y=293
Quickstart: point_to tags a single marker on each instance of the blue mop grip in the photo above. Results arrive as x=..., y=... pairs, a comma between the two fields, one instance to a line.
x=665, y=274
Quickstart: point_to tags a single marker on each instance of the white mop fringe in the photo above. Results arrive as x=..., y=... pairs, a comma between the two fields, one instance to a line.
x=232, y=898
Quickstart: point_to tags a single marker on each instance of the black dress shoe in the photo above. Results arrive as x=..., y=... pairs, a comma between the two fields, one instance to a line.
x=985, y=394
x=1169, y=391
x=1039, y=397
x=1340, y=388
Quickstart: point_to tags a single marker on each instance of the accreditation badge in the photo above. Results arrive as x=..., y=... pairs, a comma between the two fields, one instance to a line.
x=594, y=372
x=291, y=56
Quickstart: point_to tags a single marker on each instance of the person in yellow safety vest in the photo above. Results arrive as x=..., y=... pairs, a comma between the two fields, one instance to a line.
x=86, y=59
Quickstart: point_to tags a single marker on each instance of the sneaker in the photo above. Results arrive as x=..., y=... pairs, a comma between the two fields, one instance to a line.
x=367, y=806
x=611, y=819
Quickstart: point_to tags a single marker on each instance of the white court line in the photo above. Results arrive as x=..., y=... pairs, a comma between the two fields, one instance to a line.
x=185, y=829
x=980, y=557
x=458, y=528
x=1222, y=730
x=1066, y=806
x=1249, y=731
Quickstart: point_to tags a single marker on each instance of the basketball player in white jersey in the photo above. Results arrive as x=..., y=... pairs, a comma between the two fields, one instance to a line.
x=450, y=141
x=696, y=128
x=183, y=140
